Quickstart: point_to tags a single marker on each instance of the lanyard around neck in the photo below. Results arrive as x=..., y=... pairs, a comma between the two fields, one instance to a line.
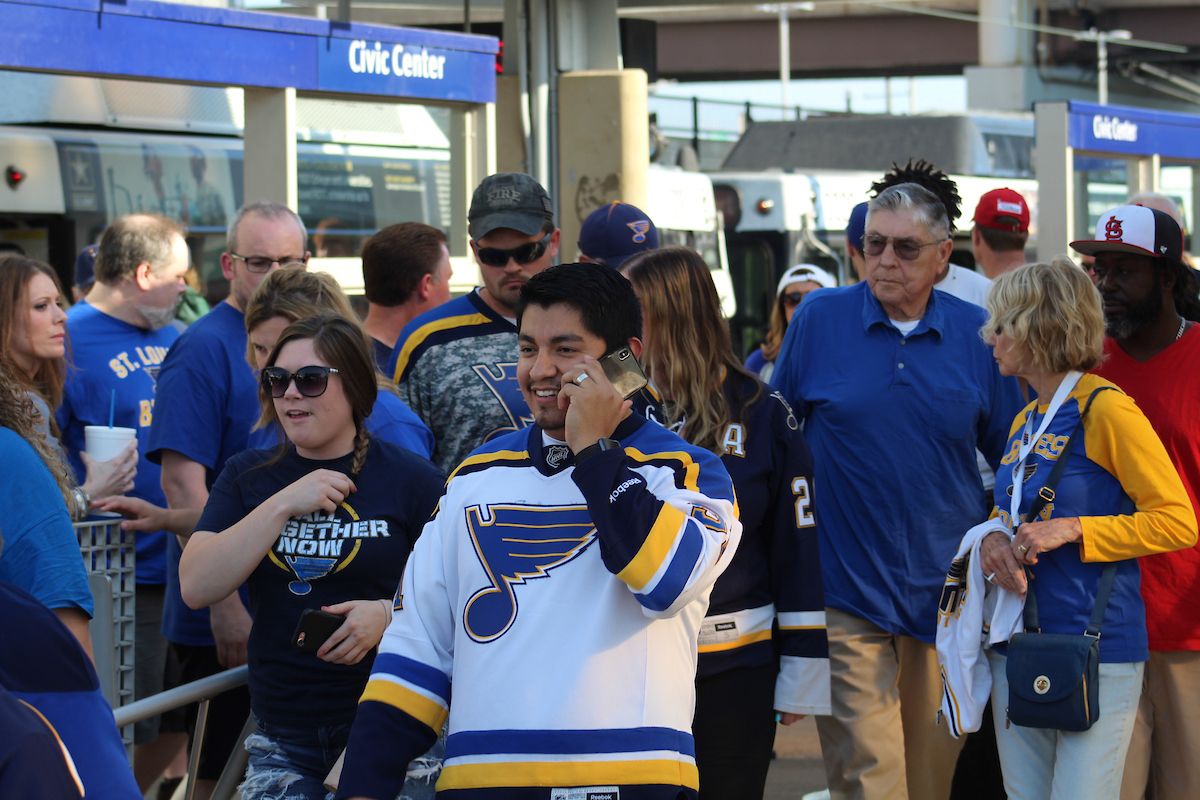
x=1029, y=439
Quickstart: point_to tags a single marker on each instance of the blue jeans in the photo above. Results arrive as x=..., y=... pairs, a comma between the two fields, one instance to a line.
x=291, y=764
x=1042, y=764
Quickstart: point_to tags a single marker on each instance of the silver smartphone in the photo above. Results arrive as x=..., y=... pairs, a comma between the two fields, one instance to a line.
x=624, y=372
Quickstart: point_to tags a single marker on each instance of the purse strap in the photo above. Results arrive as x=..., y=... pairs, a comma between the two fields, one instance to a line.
x=1046, y=495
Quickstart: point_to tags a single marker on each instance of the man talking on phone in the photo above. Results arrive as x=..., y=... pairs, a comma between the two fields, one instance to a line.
x=560, y=587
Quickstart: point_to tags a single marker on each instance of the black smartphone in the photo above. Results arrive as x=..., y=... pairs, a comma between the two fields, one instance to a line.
x=314, y=629
x=624, y=372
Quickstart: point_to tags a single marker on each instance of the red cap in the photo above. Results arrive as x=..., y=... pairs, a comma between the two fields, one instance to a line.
x=1002, y=210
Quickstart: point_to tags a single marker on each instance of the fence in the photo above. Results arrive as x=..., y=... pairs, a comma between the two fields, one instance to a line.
x=108, y=557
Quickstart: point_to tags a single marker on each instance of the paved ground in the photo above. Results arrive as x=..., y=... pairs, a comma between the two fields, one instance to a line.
x=797, y=768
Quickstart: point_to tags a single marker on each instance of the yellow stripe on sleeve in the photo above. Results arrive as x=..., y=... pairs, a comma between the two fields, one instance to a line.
x=568, y=773
x=691, y=470
x=428, y=712
x=422, y=333
x=488, y=458
x=654, y=550
x=741, y=641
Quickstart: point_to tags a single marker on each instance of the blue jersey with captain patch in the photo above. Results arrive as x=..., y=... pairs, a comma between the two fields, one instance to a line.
x=207, y=403
x=118, y=363
x=357, y=553
x=774, y=580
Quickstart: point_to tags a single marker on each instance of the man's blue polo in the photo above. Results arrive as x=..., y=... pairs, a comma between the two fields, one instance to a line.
x=893, y=423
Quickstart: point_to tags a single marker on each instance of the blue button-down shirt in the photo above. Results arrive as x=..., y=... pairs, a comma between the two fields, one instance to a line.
x=893, y=423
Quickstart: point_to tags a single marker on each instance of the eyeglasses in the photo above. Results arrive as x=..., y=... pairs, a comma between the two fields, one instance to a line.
x=905, y=249
x=525, y=254
x=792, y=298
x=310, y=381
x=264, y=263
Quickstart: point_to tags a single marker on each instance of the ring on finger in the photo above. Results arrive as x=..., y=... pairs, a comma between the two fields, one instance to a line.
x=1023, y=548
x=579, y=379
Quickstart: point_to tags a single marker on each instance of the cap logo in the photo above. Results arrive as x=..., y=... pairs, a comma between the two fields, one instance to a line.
x=504, y=194
x=640, y=228
x=1009, y=208
x=1113, y=231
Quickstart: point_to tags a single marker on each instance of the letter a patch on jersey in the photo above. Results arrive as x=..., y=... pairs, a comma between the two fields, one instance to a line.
x=515, y=544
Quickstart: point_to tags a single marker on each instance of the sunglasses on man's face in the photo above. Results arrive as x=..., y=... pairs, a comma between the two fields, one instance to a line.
x=905, y=249
x=525, y=254
x=310, y=381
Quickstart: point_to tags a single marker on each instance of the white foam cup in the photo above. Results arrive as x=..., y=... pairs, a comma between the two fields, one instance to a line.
x=104, y=443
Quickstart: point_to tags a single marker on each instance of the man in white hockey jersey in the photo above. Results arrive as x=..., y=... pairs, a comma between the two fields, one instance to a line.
x=559, y=588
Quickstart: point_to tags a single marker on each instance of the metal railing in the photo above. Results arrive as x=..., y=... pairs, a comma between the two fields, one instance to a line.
x=202, y=692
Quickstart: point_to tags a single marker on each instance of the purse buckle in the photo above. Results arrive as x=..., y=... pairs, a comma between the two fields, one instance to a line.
x=1046, y=493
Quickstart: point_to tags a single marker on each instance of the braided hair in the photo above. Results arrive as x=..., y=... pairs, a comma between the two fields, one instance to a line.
x=926, y=175
x=341, y=343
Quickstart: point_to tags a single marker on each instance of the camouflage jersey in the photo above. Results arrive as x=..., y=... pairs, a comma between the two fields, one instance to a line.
x=456, y=366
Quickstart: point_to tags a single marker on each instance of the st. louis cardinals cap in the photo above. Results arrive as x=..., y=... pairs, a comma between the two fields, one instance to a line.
x=614, y=232
x=1134, y=229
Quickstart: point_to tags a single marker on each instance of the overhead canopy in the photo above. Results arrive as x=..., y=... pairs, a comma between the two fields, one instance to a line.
x=148, y=40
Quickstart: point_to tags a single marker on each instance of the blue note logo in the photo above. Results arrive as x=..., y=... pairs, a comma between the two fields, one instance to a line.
x=320, y=544
x=501, y=381
x=516, y=544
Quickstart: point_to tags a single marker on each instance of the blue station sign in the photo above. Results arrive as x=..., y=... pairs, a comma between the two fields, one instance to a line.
x=143, y=39
x=1132, y=131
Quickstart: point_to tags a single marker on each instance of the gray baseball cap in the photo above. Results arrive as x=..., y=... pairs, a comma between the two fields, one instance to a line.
x=509, y=200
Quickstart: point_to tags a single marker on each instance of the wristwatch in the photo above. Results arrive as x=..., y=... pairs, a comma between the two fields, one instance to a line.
x=594, y=449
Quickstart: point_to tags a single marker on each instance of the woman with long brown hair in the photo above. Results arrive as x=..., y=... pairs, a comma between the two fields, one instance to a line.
x=320, y=532
x=748, y=675
x=795, y=284
x=33, y=347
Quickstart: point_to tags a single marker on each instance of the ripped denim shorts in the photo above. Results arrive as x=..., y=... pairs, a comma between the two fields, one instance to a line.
x=291, y=764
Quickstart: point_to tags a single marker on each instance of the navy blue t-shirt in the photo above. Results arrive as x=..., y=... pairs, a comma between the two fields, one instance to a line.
x=358, y=553
x=207, y=403
x=117, y=363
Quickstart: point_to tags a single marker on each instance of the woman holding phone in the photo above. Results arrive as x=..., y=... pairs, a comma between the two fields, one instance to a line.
x=748, y=677
x=316, y=525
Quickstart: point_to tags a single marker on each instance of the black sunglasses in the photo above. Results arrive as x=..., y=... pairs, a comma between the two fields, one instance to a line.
x=792, y=298
x=526, y=253
x=310, y=381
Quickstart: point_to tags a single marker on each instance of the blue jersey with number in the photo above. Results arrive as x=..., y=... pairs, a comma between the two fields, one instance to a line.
x=116, y=364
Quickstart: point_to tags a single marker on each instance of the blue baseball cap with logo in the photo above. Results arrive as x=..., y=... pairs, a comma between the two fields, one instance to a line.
x=614, y=232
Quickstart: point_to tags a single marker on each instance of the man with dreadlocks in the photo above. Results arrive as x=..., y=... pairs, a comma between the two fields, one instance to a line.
x=961, y=282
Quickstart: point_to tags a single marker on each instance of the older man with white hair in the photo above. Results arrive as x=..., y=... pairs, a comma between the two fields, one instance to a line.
x=897, y=391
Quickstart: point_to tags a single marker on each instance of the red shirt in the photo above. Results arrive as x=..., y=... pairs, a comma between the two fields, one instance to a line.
x=1167, y=389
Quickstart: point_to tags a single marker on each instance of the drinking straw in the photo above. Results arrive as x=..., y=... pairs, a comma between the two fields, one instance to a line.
x=112, y=407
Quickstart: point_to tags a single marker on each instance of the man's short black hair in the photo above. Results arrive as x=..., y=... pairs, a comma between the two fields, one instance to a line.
x=396, y=259
x=603, y=297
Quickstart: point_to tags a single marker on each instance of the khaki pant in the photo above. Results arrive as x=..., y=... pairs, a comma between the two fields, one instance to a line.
x=883, y=740
x=1164, y=757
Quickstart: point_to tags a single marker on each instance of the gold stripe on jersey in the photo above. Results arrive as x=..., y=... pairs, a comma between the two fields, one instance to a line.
x=422, y=333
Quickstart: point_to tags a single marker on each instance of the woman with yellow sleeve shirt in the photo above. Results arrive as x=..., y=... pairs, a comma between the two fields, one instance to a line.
x=1118, y=497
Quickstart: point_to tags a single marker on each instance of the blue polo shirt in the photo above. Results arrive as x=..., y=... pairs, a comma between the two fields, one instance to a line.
x=893, y=422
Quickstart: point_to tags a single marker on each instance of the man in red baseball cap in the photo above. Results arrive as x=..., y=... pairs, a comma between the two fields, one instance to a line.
x=1001, y=231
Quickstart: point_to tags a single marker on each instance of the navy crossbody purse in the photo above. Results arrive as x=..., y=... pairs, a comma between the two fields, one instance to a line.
x=1054, y=678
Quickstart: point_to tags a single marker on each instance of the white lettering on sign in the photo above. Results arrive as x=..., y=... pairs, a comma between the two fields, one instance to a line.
x=1114, y=129
x=376, y=60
